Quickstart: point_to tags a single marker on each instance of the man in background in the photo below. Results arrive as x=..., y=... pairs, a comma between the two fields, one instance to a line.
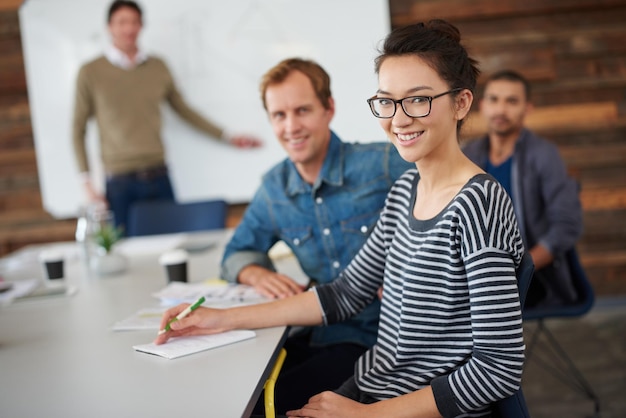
x=124, y=90
x=531, y=170
x=322, y=201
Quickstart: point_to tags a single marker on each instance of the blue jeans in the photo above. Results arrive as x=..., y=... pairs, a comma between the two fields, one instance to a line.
x=123, y=190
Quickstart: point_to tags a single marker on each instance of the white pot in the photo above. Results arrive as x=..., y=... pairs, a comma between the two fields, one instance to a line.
x=108, y=263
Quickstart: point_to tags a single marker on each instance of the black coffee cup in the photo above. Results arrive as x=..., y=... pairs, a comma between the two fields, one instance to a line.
x=53, y=264
x=177, y=272
x=175, y=263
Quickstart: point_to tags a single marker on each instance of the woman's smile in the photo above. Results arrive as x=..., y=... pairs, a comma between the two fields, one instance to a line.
x=408, y=138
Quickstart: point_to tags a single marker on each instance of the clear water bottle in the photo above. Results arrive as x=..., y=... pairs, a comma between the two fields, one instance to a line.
x=83, y=234
x=88, y=223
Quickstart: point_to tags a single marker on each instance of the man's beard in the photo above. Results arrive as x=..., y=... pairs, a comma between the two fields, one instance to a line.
x=503, y=129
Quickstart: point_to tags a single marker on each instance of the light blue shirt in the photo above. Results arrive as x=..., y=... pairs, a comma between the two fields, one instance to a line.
x=324, y=224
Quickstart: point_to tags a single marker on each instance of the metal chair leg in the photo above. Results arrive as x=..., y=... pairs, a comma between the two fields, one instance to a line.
x=561, y=365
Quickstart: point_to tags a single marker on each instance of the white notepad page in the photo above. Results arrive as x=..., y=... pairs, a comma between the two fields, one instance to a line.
x=183, y=346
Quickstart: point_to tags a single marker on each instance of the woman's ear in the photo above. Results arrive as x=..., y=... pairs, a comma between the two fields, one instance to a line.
x=463, y=103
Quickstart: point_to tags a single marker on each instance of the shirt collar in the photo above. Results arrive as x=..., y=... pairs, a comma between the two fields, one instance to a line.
x=331, y=173
x=119, y=59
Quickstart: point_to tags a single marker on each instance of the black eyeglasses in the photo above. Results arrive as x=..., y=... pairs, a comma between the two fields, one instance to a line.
x=413, y=106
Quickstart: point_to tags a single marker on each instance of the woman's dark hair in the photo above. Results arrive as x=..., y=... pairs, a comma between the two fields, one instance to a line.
x=438, y=43
x=118, y=4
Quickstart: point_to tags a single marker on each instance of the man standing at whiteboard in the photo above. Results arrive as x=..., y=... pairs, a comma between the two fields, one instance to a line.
x=123, y=90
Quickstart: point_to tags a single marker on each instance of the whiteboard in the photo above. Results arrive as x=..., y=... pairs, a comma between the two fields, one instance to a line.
x=217, y=52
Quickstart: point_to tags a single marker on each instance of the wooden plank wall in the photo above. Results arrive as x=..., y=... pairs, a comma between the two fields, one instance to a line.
x=574, y=54
x=22, y=218
x=573, y=51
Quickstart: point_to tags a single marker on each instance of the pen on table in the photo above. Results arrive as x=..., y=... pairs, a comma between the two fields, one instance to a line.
x=183, y=314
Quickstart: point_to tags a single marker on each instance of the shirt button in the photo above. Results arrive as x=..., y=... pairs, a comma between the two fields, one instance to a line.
x=296, y=241
x=319, y=200
x=326, y=231
x=336, y=264
x=364, y=229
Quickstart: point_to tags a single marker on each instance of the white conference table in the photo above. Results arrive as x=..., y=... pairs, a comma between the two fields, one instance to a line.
x=60, y=358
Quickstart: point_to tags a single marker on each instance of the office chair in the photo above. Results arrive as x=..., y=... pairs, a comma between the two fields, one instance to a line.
x=554, y=359
x=515, y=405
x=151, y=217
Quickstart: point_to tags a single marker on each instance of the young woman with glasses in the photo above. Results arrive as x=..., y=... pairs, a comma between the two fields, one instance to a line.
x=445, y=250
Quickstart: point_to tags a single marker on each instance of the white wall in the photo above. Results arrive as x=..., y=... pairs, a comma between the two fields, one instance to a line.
x=217, y=51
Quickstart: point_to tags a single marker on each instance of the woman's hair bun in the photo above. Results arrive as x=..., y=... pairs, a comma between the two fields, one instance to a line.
x=445, y=28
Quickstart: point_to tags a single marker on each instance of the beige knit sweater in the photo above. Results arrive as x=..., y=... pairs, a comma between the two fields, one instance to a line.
x=126, y=105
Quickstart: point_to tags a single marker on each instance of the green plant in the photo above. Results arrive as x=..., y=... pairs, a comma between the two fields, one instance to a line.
x=108, y=235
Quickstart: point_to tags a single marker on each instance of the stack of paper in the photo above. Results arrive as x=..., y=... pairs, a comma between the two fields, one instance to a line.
x=17, y=289
x=213, y=291
x=217, y=293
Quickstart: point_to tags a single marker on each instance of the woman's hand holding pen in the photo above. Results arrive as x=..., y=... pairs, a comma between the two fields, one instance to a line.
x=302, y=309
x=202, y=321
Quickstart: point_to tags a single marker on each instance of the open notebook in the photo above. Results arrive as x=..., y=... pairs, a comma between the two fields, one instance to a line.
x=183, y=346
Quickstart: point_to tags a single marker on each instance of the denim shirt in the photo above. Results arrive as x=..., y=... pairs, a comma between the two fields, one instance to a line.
x=324, y=224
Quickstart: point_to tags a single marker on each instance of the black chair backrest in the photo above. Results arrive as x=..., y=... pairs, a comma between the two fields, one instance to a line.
x=524, y=274
x=584, y=292
x=151, y=217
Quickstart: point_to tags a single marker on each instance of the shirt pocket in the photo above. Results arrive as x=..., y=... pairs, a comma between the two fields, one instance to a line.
x=301, y=242
x=355, y=230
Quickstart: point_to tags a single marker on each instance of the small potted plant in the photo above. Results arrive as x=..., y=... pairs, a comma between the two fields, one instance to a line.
x=106, y=236
x=106, y=261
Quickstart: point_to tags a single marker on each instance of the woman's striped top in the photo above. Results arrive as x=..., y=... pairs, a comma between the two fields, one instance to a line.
x=450, y=313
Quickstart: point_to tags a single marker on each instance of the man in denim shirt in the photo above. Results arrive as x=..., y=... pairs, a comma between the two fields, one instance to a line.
x=322, y=201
